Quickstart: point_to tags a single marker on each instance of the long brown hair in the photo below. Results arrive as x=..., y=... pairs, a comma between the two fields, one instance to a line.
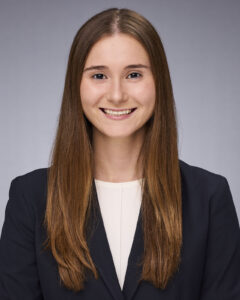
x=70, y=175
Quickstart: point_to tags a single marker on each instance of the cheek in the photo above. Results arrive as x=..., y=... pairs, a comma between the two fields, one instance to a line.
x=147, y=94
x=91, y=93
x=87, y=94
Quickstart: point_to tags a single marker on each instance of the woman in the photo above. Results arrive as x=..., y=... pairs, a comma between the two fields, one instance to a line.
x=117, y=215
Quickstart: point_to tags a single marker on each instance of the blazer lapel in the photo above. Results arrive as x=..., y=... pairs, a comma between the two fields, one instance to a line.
x=102, y=256
x=134, y=270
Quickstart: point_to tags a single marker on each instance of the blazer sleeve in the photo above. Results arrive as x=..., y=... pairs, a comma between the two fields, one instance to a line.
x=18, y=270
x=222, y=268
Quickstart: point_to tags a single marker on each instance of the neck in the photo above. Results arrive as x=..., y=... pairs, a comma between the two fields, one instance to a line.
x=115, y=159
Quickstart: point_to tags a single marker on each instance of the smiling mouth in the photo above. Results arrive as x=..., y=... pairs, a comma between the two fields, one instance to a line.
x=117, y=110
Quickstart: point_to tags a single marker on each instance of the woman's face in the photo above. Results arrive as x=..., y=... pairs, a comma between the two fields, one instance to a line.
x=117, y=76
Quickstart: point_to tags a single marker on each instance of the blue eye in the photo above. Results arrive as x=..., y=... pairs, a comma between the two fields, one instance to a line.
x=98, y=76
x=135, y=73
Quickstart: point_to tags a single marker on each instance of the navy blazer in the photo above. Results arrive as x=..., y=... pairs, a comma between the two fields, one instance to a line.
x=210, y=257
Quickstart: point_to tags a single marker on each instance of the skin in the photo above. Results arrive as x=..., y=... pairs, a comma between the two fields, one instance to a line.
x=117, y=143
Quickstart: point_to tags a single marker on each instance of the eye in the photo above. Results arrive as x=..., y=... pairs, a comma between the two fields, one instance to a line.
x=135, y=75
x=98, y=76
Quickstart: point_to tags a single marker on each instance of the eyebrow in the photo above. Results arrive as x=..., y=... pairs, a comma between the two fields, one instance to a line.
x=127, y=67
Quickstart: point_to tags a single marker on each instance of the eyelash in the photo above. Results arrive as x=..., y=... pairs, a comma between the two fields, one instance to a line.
x=104, y=75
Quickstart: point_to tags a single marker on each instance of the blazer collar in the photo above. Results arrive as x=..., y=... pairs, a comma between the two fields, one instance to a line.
x=102, y=257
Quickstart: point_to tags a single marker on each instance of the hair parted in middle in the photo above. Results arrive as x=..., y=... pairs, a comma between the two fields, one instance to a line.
x=70, y=174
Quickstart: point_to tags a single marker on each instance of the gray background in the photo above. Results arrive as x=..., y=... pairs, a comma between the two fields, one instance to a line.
x=202, y=43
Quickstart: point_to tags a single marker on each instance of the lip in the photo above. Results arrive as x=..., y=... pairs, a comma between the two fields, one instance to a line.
x=120, y=117
x=114, y=109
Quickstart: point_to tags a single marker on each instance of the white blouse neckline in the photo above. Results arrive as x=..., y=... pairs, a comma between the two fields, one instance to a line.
x=118, y=184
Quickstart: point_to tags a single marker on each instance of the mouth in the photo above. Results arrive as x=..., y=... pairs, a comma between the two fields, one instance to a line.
x=118, y=114
x=128, y=110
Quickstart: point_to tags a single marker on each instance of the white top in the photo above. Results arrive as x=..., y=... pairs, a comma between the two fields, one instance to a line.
x=119, y=204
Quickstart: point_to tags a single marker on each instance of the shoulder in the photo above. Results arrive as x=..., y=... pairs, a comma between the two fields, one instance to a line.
x=207, y=195
x=195, y=178
x=197, y=172
x=30, y=183
x=29, y=190
x=34, y=177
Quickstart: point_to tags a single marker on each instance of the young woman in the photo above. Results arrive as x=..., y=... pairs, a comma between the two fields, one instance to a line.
x=117, y=215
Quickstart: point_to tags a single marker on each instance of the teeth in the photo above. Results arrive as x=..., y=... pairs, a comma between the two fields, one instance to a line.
x=117, y=113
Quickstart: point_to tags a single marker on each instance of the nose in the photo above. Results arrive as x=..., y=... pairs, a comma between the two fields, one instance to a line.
x=116, y=92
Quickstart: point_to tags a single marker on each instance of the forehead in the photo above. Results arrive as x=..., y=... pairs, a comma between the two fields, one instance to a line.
x=120, y=48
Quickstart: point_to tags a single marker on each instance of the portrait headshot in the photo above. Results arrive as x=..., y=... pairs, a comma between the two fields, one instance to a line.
x=120, y=141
